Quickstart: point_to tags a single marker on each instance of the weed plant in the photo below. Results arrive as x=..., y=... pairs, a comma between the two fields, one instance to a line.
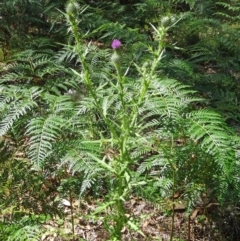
x=115, y=122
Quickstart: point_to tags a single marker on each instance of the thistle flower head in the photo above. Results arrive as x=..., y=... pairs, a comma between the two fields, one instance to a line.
x=116, y=44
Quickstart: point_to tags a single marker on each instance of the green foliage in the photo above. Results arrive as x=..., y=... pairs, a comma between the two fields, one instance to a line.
x=114, y=123
x=229, y=10
x=30, y=233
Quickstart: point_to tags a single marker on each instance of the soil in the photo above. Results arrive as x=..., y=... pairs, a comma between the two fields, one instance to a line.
x=201, y=224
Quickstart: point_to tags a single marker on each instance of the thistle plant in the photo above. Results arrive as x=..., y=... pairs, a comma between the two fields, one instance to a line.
x=122, y=128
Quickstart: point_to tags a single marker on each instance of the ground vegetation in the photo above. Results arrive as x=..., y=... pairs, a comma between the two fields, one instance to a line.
x=119, y=120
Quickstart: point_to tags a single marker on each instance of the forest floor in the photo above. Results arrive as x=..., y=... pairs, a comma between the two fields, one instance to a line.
x=155, y=224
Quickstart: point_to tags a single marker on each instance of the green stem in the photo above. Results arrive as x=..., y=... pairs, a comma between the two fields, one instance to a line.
x=71, y=208
x=119, y=134
x=147, y=79
x=173, y=205
x=120, y=210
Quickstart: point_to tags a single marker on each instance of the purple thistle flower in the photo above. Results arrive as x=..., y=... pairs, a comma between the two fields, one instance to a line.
x=116, y=44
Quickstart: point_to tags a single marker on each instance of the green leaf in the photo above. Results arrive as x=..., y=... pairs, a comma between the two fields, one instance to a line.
x=102, y=163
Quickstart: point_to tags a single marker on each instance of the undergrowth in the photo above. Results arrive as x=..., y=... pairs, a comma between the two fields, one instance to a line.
x=155, y=116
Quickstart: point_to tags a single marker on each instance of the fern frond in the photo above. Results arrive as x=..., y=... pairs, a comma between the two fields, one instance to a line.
x=67, y=54
x=31, y=233
x=230, y=11
x=169, y=98
x=59, y=104
x=209, y=128
x=78, y=161
x=14, y=114
x=17, y=103
x=165, y=185
x=42, y=132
